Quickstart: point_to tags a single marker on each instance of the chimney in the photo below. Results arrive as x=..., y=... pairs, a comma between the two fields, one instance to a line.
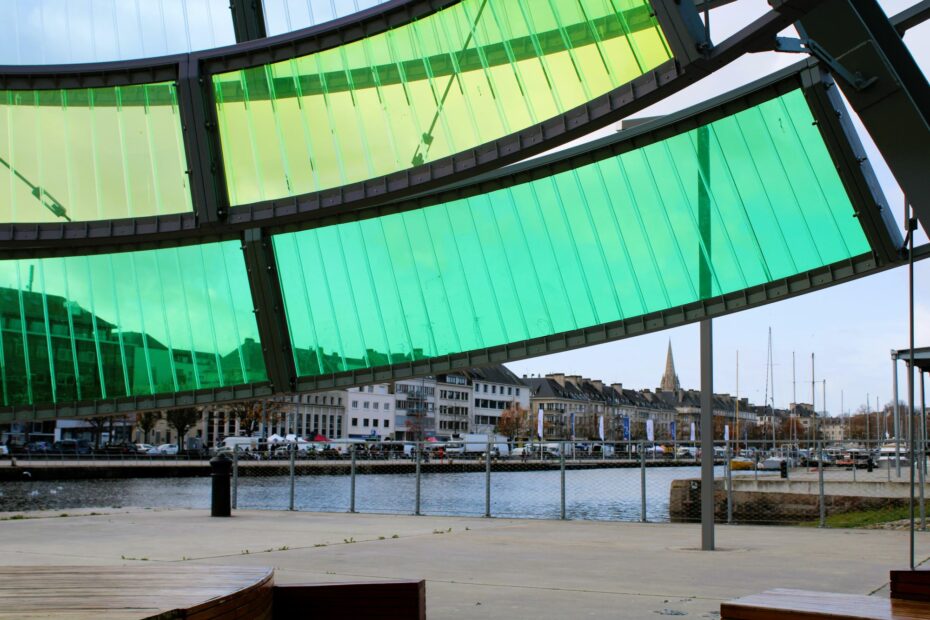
x=617, y=386
x=576, y=379
x=598, y=384
x=558, y=377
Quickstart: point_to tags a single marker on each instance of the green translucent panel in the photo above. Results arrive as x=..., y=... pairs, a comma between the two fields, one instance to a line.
x=461, y=77
x=91, y=154
x=604, y=242
x=131, y=324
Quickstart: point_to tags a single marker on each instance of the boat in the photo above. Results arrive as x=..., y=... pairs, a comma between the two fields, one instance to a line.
x=741, y=463
x=891, y=453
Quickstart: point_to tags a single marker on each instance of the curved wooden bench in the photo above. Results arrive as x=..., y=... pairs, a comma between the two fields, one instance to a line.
x=162, y=591
x=781, y=604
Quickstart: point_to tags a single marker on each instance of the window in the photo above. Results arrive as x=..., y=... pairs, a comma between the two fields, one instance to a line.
x=387, y=423
x=509, y=391
x=354, y=421
x=493, y=389
x=387, y=406
x=355, y=404
x=375, y=422
x=340, y=401
x=371, y=389
x=365, y=422
x=366, y=404
x=375, y=405
x=485, y=388
x=518, y=391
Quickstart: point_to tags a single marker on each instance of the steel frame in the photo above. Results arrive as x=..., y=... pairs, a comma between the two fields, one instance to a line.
x=854, y=173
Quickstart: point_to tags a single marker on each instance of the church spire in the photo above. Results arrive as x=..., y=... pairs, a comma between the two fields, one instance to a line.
x=670, y=378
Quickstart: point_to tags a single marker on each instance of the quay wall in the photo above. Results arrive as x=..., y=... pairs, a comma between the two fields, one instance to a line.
x=784, y=501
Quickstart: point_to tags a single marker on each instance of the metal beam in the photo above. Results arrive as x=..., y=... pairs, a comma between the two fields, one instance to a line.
x=248, y=20
x=269, y=310
x=707, y=435
x=910, y=17
x=895, y=109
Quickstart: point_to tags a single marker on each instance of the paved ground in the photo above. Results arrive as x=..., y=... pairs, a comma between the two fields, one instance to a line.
x=484, y=568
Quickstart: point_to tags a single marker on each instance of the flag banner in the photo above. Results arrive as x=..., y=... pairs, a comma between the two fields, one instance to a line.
x=726, y=432
x=693, y=432
x=650, y=430
x=600, y=428
x=626, y=428
x=672, y=429
x=539, y=423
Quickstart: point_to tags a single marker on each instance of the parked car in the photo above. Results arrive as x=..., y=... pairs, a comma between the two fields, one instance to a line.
x=38, y=447
x=165, y=449
x=72, y=446
x=144, y=448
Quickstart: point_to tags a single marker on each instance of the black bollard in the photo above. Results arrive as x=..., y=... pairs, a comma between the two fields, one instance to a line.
x=222, y=471
x=869, y=465
x=783, y=469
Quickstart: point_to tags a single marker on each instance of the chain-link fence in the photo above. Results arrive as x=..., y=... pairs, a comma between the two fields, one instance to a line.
x=855, y=484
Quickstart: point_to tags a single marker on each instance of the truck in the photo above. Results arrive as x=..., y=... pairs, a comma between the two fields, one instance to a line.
x=476, y=444
x=241, y=443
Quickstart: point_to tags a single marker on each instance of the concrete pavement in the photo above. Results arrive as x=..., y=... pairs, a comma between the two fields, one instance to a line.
x=484, y=568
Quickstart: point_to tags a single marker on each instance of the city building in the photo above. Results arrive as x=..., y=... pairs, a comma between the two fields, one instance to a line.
x=370, y=412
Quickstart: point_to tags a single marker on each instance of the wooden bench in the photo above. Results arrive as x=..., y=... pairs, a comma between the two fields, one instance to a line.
x=397, y=600
x=187, y=591
x=912, y=585
x=781, y=604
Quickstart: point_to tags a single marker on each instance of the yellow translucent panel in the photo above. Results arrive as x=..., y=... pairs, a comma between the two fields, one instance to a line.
x=91, y=154
x=461, y=77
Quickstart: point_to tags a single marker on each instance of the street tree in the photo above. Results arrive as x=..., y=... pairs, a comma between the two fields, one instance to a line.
x=182, y=420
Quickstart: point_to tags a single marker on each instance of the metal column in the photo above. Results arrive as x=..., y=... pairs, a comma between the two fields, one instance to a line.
x=897, y=414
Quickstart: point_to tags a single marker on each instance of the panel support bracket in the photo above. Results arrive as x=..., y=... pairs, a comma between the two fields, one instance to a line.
x=793, y=45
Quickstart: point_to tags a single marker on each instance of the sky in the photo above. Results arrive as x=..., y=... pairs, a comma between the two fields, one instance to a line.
x=850, y=329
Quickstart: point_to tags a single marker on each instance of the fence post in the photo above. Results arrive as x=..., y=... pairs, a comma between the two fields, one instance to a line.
x=352, y=484
x=487, y=481
x=419, y=447
x=235, y=477
x=729, y=480
x=642, y=481
x=823, y=505
x=293, y=472
x=562, y=475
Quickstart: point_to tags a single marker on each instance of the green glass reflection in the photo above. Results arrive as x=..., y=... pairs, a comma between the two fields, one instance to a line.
x=461, y=77
x=131, y=324
x=607, y=241
x=91, y=154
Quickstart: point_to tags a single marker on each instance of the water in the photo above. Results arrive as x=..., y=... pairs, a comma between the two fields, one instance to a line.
x=596, y=494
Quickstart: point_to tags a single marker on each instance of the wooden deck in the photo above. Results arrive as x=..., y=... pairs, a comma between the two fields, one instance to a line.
x=165, y=591
x=781, y=604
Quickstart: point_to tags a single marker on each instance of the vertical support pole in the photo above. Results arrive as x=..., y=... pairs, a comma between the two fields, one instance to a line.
x=897, y=413
x=562, y=481
x=235, y=477
x=707, y=347
x=922, y=453
x=729, y=470
x=416, y=510
x=293, y=472
x=642, y=481
x=352, y=483
x=487, y=481
x=912, y=229
x=823, y=503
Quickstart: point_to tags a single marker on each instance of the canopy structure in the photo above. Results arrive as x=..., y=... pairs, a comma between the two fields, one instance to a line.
x=331, y=207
